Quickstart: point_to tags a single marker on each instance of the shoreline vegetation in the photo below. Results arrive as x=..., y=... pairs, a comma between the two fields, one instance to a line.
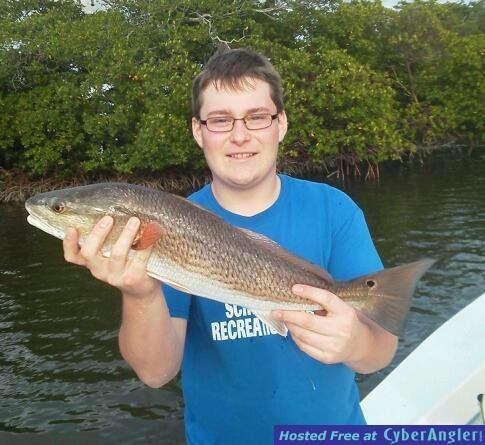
x=16, y=186
x=106, y=96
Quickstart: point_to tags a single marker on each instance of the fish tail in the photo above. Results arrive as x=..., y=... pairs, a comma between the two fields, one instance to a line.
x=389, y=299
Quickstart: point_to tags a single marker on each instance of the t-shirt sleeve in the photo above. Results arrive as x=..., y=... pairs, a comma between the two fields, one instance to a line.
x=178, y=302
x=353, y=252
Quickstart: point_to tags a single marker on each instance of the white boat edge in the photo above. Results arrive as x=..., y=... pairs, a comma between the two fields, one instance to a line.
x=439, y=382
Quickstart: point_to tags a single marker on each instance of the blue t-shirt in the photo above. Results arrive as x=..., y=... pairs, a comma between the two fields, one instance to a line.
x=239, y=379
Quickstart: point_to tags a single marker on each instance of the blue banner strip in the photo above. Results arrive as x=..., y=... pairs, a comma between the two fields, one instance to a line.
x=379, y=434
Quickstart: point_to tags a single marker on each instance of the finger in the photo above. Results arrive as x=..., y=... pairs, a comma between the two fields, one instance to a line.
x=96, y=238
x=71, y=247
x=140, y=260
x=307, y=336
x=324, y=298
x=122, y=246
x=314, y=352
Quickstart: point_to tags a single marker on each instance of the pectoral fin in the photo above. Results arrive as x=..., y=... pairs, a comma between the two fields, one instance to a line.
x=148, y=236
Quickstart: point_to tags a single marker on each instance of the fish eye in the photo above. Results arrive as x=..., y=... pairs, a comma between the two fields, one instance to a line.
x=58, y=207
x=370, y=283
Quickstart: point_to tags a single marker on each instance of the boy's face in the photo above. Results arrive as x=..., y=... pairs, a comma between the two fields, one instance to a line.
x=240, y=158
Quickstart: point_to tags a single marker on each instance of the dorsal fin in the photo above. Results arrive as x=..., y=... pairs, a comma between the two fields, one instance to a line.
x=276, y=249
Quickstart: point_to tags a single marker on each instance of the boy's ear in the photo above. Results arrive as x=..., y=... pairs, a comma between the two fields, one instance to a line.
x=282, y=125
x=197, y=131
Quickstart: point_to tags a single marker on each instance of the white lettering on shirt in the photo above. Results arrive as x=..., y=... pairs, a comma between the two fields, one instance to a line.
x=240, y=323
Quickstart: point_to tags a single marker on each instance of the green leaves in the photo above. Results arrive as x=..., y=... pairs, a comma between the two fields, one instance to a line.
x=111, y=91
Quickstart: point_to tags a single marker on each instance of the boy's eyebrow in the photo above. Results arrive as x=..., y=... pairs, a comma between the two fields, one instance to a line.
x=258, y=110
x=218, y=113
x=228, y=113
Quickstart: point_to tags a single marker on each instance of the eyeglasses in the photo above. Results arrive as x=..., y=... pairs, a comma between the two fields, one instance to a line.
x=223, y=124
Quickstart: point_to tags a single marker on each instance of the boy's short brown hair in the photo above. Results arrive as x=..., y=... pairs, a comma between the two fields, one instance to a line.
x=232, y=68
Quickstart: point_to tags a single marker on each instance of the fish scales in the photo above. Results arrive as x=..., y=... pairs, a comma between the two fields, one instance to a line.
x=202, y=242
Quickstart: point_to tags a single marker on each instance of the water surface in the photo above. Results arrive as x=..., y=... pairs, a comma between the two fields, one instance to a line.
x=431, y=210
x=62, y=379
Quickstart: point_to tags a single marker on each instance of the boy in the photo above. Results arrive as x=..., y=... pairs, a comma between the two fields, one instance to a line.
x=239, y=378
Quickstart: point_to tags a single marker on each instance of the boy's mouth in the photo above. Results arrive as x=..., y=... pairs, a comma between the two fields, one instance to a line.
x=241, y=155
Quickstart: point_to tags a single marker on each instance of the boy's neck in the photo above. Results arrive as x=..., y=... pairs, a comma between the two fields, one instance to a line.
x=248, y=201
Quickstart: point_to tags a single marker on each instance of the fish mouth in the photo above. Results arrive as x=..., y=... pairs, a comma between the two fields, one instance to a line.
x=241, y=155
x=40, y=224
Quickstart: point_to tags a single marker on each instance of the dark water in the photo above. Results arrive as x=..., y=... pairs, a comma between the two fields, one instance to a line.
x=62, y=379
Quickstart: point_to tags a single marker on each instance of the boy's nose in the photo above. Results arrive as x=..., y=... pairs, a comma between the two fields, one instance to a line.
x=240, y=133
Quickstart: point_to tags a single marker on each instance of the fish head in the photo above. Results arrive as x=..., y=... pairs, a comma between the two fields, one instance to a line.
x=79, y=207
